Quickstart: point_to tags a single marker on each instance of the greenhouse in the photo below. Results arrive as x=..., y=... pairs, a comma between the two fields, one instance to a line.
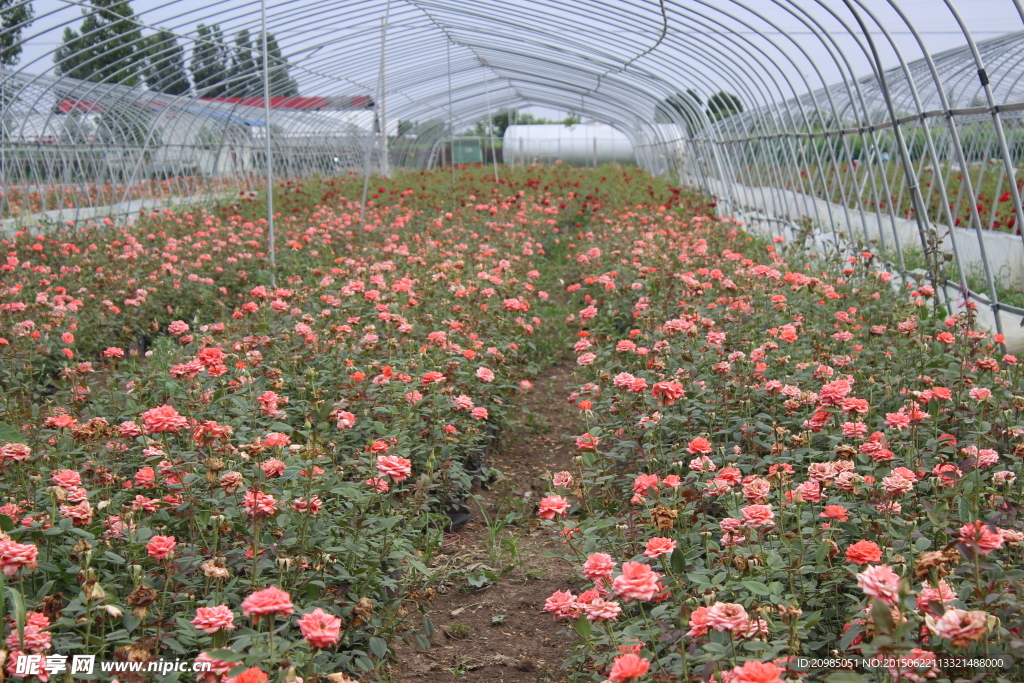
x=433, y=340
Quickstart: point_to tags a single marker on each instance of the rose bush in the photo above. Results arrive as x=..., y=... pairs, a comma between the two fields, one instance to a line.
x=807, y=462
x=198, y=463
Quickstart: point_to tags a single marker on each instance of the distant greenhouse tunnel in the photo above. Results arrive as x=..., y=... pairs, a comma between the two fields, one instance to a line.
x=890, y=126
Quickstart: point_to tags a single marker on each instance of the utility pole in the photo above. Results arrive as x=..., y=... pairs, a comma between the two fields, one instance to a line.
x=270, y=169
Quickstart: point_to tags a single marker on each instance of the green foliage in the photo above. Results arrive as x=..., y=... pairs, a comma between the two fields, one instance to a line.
x=246, y=71
x=507, y=117
x=243, y=76
x=281, y=83
x=106, y=47
x=683, y=107
x=15, y=16
x=209, y=65
x=165, y=65
x=722, y=105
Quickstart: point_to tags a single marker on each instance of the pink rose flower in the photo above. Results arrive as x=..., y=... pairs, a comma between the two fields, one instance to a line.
x=637, y=582
x=728, y=616
x=758, y=516
x=161, y=547
x=213, y=619
x=14, y=556
x=959, y=626
x=553, y=506
x=393, y=466
x=880, y=581
x=270, y=600
x=658, y=546
x=627, y=667
x=598, y=566
x=320, y=629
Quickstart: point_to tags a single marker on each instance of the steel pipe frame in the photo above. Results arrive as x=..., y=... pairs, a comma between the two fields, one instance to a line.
x=618, y=80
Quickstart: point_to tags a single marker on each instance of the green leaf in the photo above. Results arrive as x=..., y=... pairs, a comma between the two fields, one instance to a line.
x=280, y=427
x=428, y=627
x=756, y=587
x=480, y=580
x=18, y=607
x=423, y=642
x=378, y=647
x=9, y=433
x=964, y=509
x=882, y=616
x=821, y=552
x=419, y=566
x=678, y=561
x=849, y=637
x=923, y=543
x=227, y=655
x=582, y=627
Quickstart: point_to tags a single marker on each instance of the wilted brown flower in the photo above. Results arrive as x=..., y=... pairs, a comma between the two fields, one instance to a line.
x=937, y=560
x=216, y=568
x=845, y=451
x=363, y=610
x=664, y=518
x=140, y=599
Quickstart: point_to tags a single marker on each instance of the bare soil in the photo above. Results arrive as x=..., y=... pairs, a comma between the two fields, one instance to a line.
x=499, y=633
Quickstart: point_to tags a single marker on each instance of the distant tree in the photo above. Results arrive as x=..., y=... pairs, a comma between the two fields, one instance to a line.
x=501, y=121
x=243, y=76
x=165, y=65
x=722, y=105
x=683, y=107
x=15, y=15
x=106, y=47
x=209, y=63
x=506, y=117
x=281, y=83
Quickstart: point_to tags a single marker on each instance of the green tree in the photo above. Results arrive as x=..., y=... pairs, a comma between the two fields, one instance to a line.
x=506, y=117
x=722, y=105
x=106, y=47
x=281, y=83
x=683, y=107
x=165, y=65
x=209, y=63
x=244, y=77
x=15, y=15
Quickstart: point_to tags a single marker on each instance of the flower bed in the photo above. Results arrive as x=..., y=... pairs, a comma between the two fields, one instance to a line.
x=787, y=468
x=198, y=463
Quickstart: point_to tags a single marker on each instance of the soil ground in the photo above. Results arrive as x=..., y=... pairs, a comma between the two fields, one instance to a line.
x=499, y=633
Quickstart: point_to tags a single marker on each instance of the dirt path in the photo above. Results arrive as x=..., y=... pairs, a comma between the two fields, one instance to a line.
x=498, y=632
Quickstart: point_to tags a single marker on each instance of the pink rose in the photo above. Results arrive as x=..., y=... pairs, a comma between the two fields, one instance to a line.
x=320, y=629
x=637, y=582
x=393, y=466
x=271, y=600
x=213, y=619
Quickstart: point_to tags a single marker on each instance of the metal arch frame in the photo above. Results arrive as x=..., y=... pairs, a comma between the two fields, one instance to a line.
x=614, y=61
